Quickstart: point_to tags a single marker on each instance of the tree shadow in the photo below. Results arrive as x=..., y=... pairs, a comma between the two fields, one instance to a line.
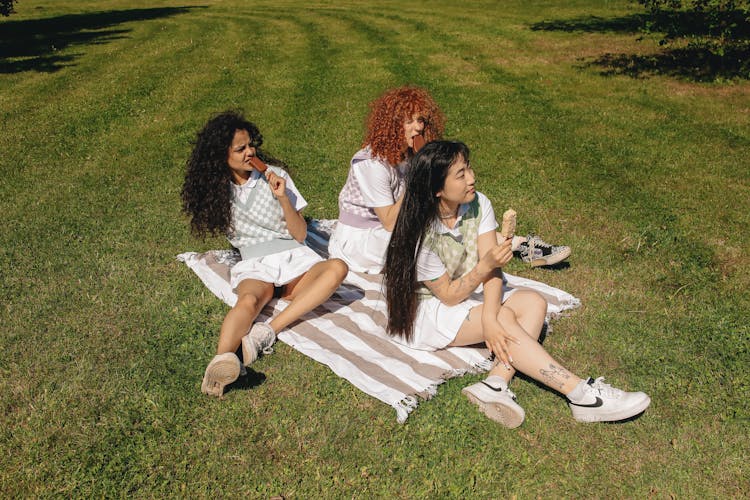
x=700, y=60
x=34, y=44
x=593, y=24
x=690, y=63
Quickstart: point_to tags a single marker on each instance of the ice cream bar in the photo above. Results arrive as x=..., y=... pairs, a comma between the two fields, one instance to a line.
x=258, y=164
x=509, y=223
x=418, y=142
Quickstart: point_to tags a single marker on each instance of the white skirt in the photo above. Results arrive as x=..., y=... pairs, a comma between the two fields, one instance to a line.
x=278, y=268
x=436, y=325
x=362, y=249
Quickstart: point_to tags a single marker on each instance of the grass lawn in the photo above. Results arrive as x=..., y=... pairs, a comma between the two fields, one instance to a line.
x=104, y=336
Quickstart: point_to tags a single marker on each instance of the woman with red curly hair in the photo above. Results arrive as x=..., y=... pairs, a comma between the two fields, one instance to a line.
x=371, y=198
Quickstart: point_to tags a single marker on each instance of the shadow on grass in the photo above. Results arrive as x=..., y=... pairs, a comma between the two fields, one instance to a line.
x=593, y=24
x=697, y=61
x=34, y=44
x=690, y=63
x=249, y=381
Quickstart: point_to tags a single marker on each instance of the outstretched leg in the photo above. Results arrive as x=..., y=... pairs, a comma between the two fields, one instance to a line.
x=252, y=296
x=224, y=368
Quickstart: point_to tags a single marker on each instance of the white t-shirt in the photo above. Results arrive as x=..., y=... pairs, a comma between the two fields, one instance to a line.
x=429, y=265
x=377, y=182
x=243, y=191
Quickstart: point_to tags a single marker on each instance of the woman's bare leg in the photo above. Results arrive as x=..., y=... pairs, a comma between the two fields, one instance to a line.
x=528, y=356
x=310, y=290
x=252, y=296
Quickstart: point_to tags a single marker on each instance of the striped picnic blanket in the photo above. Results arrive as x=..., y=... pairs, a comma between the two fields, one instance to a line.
x=347, y=332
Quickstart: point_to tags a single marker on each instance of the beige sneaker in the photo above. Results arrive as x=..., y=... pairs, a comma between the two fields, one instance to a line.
x=260, y=339
x=220, y=372
x=537, y=252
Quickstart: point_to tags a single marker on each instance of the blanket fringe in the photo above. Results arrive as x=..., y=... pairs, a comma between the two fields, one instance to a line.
x=484, y=365
x=404, y=408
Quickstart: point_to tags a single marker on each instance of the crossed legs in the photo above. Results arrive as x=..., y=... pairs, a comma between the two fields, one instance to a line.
x=522, y=316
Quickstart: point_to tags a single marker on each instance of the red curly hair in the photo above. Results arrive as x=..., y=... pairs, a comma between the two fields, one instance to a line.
x=385, y=125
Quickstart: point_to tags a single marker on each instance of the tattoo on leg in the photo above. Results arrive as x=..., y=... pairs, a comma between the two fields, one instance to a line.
x=555, y=376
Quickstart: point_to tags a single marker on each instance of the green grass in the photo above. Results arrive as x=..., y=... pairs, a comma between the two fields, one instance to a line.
x=104, y=336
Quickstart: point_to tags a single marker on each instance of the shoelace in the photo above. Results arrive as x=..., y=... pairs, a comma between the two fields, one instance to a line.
x=605, y=389
x=536, y=241
x=269, y=340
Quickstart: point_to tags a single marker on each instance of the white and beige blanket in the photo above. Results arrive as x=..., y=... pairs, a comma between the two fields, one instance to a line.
x=347, y=332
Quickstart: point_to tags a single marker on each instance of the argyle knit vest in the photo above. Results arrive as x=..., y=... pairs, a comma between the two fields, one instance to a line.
x=459, y=256
x=258, y=225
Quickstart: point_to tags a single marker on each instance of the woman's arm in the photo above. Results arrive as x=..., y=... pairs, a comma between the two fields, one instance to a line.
x=494, y=256
x=295, y=223
x=388, y=215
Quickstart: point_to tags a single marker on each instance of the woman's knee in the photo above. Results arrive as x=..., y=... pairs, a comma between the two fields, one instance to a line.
x=337, y=269
x=530, y=301
x=253, y=302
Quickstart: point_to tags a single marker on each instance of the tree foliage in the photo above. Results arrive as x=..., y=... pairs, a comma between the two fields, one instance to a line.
x=721, y=21
x=6, y=7
x=718, y=28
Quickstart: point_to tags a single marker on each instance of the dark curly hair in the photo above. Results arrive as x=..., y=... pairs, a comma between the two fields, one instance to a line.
x=207, y=191
x=425, y=177
x=385, y=124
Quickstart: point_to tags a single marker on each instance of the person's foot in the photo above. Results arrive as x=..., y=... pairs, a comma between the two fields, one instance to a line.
x=594, y=401
x=260, y=339
x=497, y=403
x=220, y=372
x=536, y=252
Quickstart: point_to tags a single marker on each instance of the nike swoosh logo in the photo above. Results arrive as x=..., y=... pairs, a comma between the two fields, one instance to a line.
x=595, y=404
x=496, y=390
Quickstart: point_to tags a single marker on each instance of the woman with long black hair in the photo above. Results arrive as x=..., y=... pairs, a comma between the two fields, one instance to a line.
x=443, y=247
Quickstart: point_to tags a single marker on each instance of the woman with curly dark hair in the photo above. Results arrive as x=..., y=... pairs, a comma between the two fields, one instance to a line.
x=371, y=197
x=444, y=246
x=227, y=191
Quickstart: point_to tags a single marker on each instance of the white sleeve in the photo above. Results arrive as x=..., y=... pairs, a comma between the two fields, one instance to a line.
x=488, y=222
x=298, y=202
x=376, y=183
x=429, y=266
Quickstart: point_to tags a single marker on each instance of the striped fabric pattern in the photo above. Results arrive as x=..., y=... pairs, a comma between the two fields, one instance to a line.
x=347, y=332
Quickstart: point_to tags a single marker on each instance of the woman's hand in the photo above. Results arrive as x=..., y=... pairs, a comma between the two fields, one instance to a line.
x=498, y=255
x=295, y=223
x=497, y=339
x=277, y=184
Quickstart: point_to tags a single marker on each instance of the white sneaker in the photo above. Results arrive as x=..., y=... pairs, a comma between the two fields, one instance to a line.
x=600, y=402
x=220, y=372
x=260, y=339
x=497, y=404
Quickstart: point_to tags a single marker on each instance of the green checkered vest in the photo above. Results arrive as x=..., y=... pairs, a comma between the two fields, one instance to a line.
x=458, y=256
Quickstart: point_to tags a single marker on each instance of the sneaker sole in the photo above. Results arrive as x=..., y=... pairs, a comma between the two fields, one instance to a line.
x=615, y=416
x=500, y=413
x=551, y=260
x=221, y=374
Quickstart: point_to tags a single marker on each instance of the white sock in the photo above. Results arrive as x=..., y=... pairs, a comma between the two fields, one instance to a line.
x=577, y=395
x=496, y=382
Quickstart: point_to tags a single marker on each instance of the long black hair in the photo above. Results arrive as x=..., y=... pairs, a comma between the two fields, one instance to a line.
x=207, y=191
x=425, y=178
